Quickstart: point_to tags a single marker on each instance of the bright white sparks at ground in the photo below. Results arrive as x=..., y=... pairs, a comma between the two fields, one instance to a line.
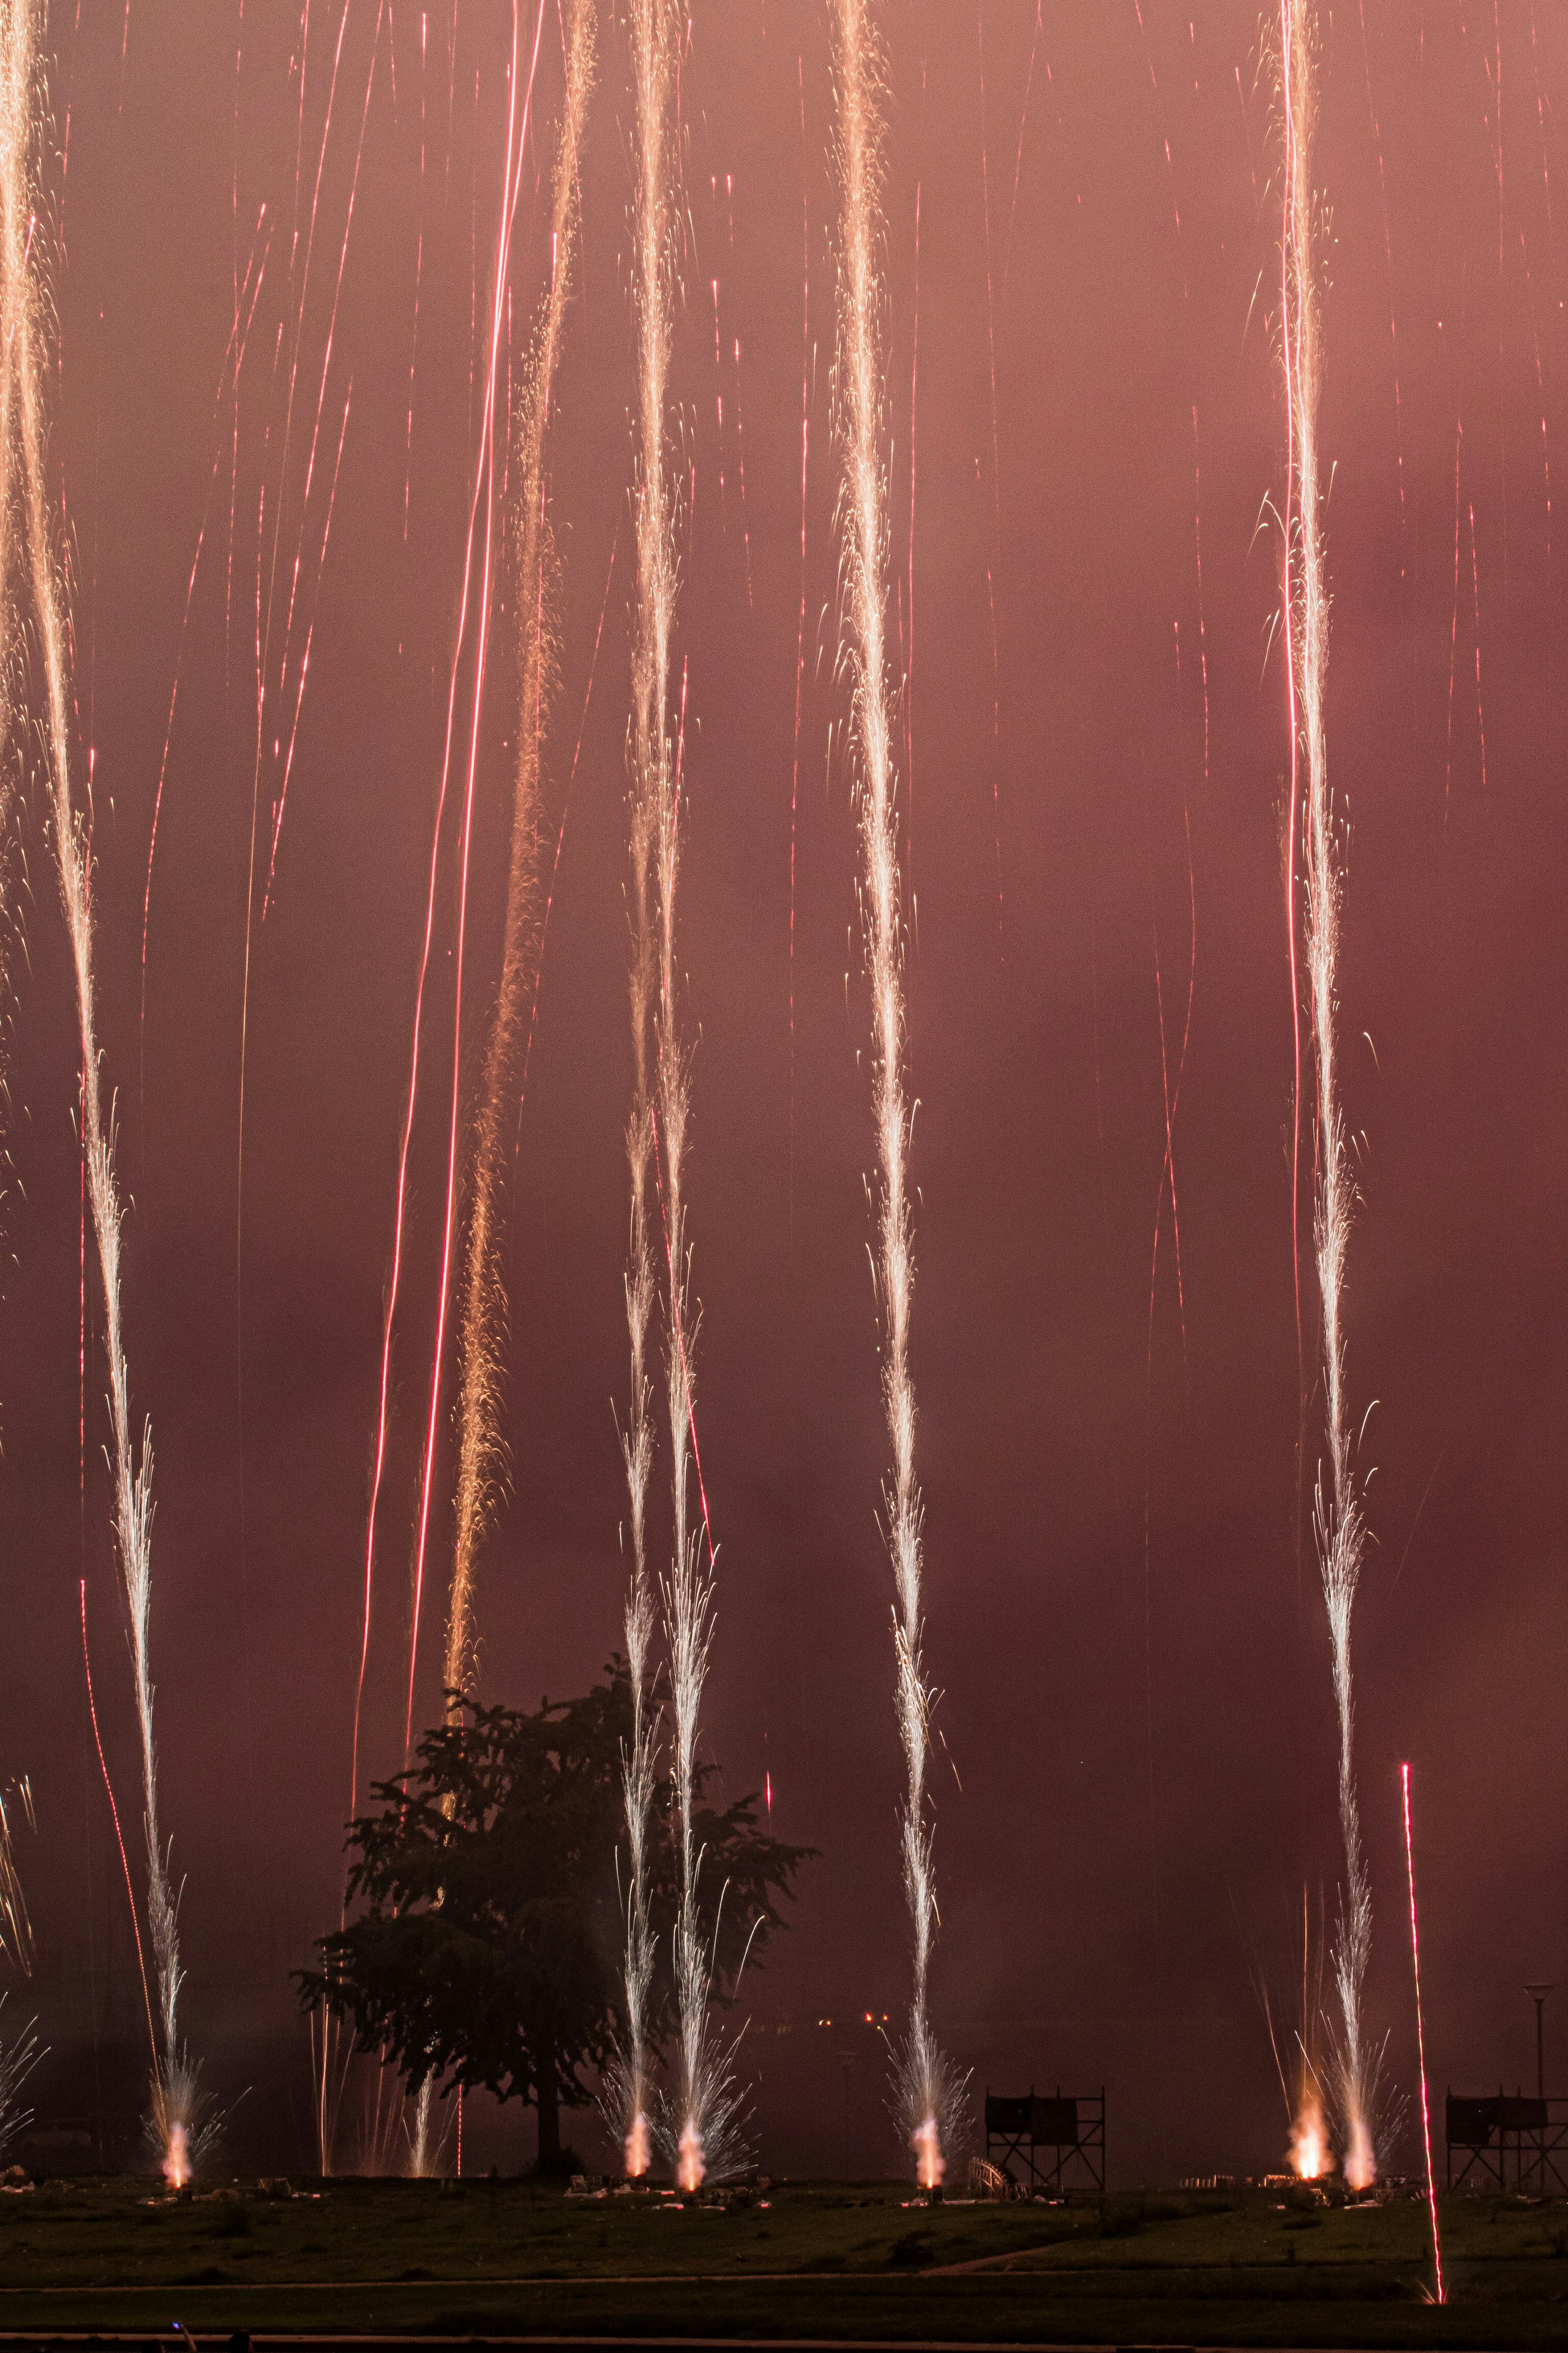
x=927, y=2086
x=24, y=308
x=1337, y=1516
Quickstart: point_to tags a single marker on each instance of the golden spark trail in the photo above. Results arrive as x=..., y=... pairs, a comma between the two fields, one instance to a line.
x=1337, y=1518
x=481, y=1446
x=25, y=304
x=929, y=2087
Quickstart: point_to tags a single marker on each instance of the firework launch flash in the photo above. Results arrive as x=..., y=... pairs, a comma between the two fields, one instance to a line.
x=928, y=2087
x=1337, y=1513
x=25, y=303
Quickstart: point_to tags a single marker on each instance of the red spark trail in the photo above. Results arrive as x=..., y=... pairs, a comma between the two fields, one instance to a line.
x=264, y=638
x=1421, y=2039
x=315, y=438
x=119, y=1834
x=484, y=483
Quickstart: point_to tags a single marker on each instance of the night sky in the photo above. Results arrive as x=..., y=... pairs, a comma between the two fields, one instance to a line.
x=1133, y=1777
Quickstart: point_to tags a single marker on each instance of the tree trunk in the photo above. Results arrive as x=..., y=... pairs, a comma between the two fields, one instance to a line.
x=549, y=2117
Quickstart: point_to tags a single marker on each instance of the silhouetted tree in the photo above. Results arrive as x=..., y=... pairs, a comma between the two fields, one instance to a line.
x=488, y=1952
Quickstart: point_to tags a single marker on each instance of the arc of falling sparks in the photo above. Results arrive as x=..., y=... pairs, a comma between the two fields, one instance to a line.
x=22, y=415
x=481, y=1446
x=1337, y=1514
x=929, y=2089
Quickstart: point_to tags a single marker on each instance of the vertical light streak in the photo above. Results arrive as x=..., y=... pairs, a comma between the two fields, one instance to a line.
x=26, y=305
x=927, y=2085
x=654, y=27
x=1337, y=1516
x=240, y=336
x=993, y=552
x=1421, y=2037
x=519, y=109
x=560, y=835
x=800, y=615
x=701, y=2105
x=482, y=1445
x=119, y=1833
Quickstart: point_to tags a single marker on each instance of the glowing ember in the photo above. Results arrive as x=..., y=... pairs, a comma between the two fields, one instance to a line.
x=1311, y=2156
x=690, y=2168
x=930, y=2162
x=177, y=2156
x=637, y=2147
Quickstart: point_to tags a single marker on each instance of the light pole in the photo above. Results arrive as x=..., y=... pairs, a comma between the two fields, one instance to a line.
x=1538, y=1994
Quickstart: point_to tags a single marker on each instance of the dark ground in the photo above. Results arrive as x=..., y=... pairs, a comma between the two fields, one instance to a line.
x=851, y=2261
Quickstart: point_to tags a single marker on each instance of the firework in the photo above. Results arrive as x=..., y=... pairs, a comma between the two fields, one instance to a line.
x=25, y=306
x=701, y=2108
x=17, y=2060
x=927, y=2090
x=1337, y=1516
x=481, y=1448
x=1421, y=2037
x=654, y=38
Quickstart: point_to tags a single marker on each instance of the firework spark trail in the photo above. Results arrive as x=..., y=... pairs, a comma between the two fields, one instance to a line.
x=15, y=1922
x=481, y=1446
x=1421, y=2037
x=1454, y=632
x=315, y=439
x=927, y=2086
x=702, y=2105
x=518, y=116
x=419, y=275
x=1475, y=617
x=800, y=617
x=654, y=35
x=1337, y=1514
x=240, y=336
x=27, y=308
x=119, y=1834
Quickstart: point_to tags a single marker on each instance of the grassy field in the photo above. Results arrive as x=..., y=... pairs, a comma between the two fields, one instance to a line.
x=500, y=2257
